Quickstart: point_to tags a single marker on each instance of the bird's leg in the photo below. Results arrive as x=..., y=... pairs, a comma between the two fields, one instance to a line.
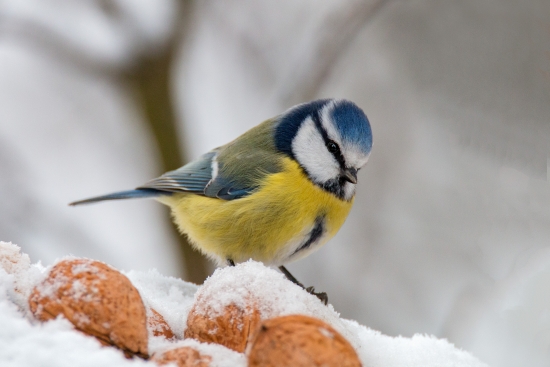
x=230, y=262
x=290, y=276
x=321, y=295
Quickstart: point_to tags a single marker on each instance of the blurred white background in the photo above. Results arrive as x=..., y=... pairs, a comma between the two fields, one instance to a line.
x=450, y=233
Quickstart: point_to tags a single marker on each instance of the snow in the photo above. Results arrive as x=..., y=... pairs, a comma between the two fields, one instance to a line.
x=377, y=349
x=57, y=343
x=23, y=276
x=170, y=297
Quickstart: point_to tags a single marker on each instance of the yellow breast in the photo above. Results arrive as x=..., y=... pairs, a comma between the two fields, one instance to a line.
x=264, y=226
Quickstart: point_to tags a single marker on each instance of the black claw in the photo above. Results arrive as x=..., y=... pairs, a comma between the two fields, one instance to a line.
x=323, y=297
x=230, y=262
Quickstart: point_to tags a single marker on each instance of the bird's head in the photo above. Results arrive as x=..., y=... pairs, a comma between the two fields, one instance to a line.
x=330, y=139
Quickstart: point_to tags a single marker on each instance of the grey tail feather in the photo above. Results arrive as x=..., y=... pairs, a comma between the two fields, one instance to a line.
x=130, y=194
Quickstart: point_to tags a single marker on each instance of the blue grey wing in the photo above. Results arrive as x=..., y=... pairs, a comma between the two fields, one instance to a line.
x=193, y=177
x=199, y=177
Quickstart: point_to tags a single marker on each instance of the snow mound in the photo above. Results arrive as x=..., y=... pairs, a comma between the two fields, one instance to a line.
x=26, y=342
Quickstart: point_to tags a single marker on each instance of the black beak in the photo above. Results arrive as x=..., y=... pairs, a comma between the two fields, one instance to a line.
x=350, y=175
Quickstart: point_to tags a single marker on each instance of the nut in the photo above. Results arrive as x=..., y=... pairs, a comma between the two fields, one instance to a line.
x=298, y=340
x=97, y=299
x=182, y=357
x=230, y=329
x=158, y=325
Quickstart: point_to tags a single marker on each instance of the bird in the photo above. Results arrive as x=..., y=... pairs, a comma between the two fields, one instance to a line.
x=276, y=193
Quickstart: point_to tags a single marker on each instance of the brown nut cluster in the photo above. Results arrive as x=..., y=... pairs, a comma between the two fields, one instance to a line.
x=97, y=299
x=102, y=302
x=300, y=341
x=232, y=329
x=182, y=357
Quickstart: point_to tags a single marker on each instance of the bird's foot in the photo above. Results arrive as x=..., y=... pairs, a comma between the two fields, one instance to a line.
x=323, y=297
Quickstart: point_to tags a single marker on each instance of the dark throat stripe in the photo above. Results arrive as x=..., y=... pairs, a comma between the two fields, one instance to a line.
x=314, y=235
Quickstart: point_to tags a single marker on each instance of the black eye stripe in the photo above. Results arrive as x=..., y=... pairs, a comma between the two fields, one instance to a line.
x=338, y=153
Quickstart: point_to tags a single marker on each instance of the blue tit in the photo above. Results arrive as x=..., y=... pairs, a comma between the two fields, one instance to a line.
x=276, y=193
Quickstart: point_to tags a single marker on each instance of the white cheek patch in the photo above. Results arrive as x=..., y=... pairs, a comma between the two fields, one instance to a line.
x=309, y=149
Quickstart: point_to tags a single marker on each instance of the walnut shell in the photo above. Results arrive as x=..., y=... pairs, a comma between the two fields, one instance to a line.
x=97, y=299
x=298, y=340
x=182, y=357
x=158, y=325
x=230, y=329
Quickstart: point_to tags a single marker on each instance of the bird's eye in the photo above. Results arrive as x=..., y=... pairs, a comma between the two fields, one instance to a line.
x=332, y=147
